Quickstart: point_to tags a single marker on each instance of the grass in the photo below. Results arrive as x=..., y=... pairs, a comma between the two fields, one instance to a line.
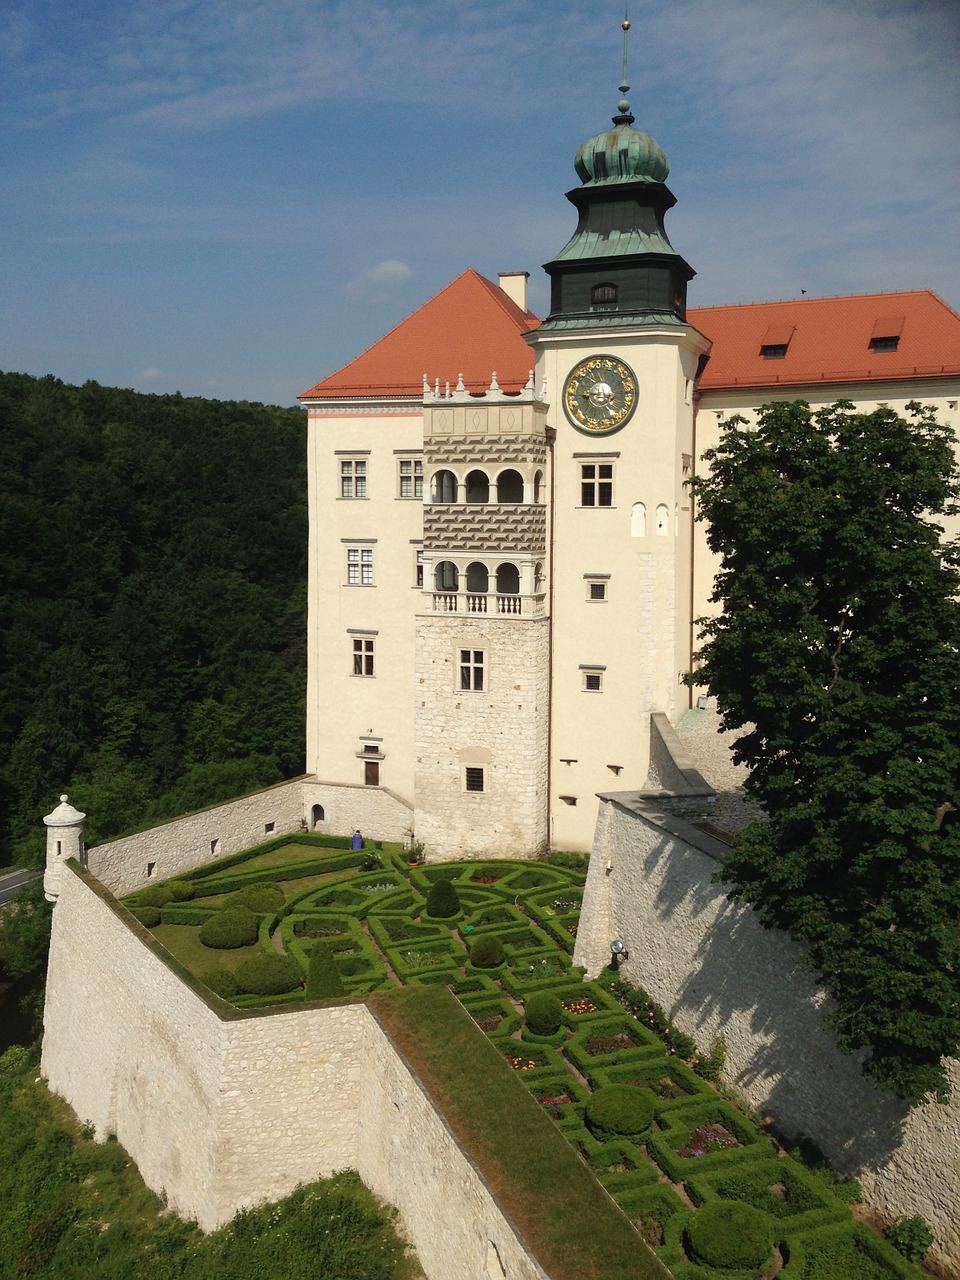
x=183, y=941
x=559, y=1208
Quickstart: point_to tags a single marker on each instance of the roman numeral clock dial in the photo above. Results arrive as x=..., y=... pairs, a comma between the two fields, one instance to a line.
x=600, y=395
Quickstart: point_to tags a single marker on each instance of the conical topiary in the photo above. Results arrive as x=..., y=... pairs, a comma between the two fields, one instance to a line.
x=442, y=900
x=323, y=976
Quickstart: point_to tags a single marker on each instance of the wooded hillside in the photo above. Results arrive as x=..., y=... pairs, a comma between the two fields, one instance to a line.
x=152, y=604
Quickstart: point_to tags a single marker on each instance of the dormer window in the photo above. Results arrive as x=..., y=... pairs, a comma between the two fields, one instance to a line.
x=886, y=333
x=776, y=341
x=604, y=296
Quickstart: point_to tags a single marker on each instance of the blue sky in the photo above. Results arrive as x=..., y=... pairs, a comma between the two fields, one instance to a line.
x=232, y=198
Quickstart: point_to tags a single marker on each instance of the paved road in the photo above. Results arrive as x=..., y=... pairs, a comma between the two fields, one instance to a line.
x=13, y=882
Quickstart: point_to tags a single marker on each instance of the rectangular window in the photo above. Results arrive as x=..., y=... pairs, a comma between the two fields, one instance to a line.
x=596, y=484
x=884, y=344
x=420, y=569
x=592, y=679
x=598, y=591
x=363, y=653
x=471, y=669
x=411, y=477
x=360, y=566
x=473, y=778
x=353, y=478
x=371, y=773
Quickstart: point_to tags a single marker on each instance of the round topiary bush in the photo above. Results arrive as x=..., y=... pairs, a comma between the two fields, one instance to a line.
x=544, y=1014
x=262, y=898
x=619, y=1111
x=181, y=890
x=728, y=1233
x=268, y=975
x=148, y=916
x=442, y=900
x=487, y=952
x=220, y=980
x=155, y=895
x=230, y=927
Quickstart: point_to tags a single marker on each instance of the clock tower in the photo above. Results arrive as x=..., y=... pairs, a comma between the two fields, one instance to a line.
x=617, y=362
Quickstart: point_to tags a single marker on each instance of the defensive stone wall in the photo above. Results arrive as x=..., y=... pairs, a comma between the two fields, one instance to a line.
x=192, y=841
x=375, y=811
x=221, y=1111
x=718, y=973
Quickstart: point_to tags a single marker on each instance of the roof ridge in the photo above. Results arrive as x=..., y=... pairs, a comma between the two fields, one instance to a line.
x=832, y=297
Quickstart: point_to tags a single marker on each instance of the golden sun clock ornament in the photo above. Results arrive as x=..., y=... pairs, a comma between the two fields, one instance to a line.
x=600, y=395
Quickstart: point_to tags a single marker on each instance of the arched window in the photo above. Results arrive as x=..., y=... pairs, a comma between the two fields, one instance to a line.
x=446, y=577
x=444, y=487
x=509, y=486
x=478, y=487
x=538, y=577
x=538, y=486
x=603, y=295
x=508, y=580
x=478, y=576
x=638, y=521
x=316, y=817
x=663, y=521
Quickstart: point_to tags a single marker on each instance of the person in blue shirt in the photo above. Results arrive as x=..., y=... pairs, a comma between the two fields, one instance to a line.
x=357, y=840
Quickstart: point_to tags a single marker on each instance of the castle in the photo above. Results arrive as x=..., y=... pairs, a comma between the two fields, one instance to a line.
x=504, y=569
x=504, y=577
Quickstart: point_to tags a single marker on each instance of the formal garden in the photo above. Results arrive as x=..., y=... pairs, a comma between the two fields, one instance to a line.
x=707, y=1187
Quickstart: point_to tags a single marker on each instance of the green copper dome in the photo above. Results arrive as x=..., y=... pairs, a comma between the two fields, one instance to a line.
x=621, y=154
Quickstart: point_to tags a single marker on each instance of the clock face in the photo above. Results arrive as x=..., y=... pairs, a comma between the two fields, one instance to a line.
x=600, y=395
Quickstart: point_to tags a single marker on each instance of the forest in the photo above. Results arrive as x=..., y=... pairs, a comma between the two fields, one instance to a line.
x=152, y=607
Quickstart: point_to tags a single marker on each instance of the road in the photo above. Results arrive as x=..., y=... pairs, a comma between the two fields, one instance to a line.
x=13, y=882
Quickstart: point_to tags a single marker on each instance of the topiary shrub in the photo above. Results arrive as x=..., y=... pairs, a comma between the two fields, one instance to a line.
x=544, y=1014
x=726, y=1233
x=148, y=916
x=442, y=900
x=229, y=928
x=487, y=952
x=220, y=980
x=262, y=898
x=155, y=895
x=268, y=975
x=619, y=1111
x=323, y=976
x=181, y=890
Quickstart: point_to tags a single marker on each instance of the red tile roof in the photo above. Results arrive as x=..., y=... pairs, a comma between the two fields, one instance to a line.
x=828, y=340
x=471, y=327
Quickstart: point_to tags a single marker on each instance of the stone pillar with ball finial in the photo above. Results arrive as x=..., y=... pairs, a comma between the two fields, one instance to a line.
x=64, y=840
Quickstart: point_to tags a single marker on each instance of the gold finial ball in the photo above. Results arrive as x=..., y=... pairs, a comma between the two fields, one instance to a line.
x=625, y=24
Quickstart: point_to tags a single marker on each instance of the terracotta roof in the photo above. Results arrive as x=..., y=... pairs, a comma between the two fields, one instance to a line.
x=470, y=327
x=829, y=340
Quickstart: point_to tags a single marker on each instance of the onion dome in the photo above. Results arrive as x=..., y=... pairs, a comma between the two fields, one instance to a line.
x=621, y=154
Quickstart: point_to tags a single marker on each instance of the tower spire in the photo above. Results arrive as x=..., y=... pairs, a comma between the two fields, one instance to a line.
x=624, y=106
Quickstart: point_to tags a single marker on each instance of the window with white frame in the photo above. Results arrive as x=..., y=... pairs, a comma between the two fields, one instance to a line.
x=473, y=777
x=596, y=484
x=411, y=477
x=353, y=477
x=363, y=655
x=360, y=566
x=596, y=585
x=591, y=679
x=418, y=569
x=472, y=668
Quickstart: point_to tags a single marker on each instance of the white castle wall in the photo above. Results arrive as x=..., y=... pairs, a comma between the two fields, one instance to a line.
x=718, y=973
x=223, y=1112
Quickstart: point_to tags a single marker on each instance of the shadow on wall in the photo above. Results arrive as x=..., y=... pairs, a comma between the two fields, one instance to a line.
x=743, y=982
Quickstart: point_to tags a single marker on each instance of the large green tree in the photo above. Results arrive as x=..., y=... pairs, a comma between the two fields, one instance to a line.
x=837, y=653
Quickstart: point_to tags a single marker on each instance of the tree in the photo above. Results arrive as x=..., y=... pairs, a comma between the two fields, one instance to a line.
x=837, y=653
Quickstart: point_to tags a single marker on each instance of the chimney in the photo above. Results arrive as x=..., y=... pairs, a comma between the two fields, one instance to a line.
x=514, y=285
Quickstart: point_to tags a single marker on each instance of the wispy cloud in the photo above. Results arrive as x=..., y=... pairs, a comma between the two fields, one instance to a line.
x=378, y=283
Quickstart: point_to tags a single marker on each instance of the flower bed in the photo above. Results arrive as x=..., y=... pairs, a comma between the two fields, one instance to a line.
x=610, y=1041
x=782, y=1188
x=703, y=1135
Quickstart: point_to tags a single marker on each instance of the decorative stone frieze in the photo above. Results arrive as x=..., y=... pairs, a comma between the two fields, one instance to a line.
x=486, y=528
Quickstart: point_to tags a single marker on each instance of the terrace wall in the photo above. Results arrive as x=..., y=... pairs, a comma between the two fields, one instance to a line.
x=718, y=973
x=222, y=1111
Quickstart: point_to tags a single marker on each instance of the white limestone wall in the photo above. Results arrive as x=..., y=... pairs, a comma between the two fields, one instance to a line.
x=222, y=1113
x=501, y=729
x=174, y=847
x=718, y=973
x=407, y=1155
x=375, y=811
